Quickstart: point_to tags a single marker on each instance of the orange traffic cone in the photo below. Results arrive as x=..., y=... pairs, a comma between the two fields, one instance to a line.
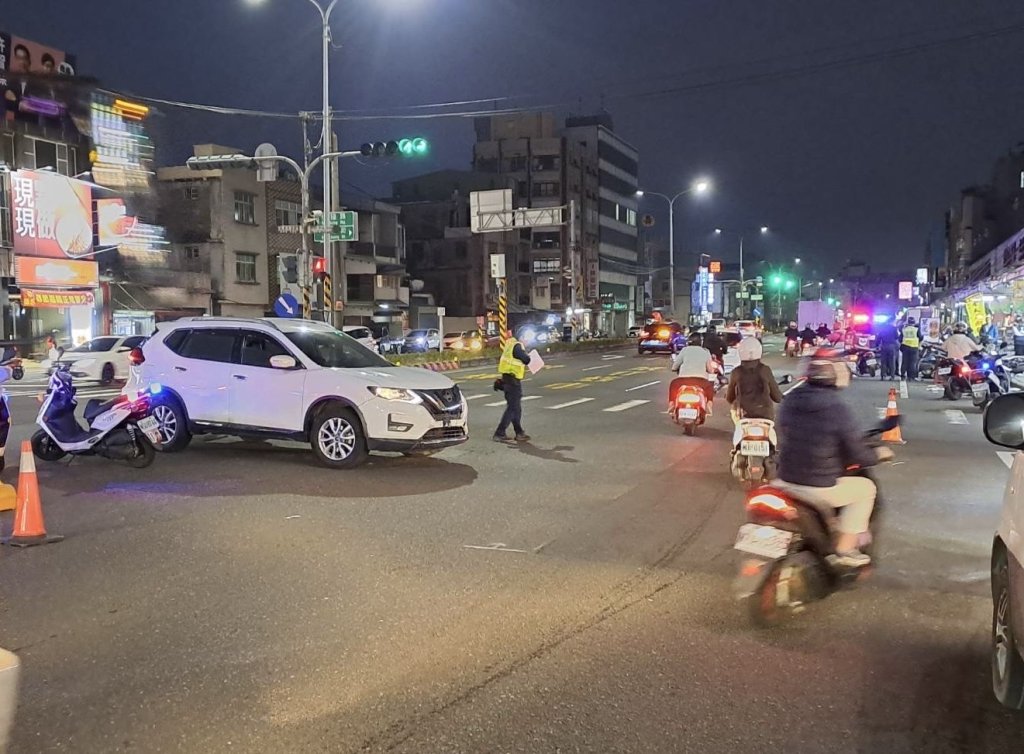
x=29, y=528
x=893, y=435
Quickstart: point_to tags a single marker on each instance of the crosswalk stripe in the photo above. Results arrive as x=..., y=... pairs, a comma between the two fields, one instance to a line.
x=954, y=416
x=1006, y=457
x=903, y=389
x=609, y=357
x=640, y=387
x=531, y=397
x=570, y=403
x=626, y=406
x=475, y=397
x=496, y=403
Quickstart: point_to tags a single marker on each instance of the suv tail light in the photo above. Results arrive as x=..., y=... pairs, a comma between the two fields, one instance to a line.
x=135, y=357
x=770, y=505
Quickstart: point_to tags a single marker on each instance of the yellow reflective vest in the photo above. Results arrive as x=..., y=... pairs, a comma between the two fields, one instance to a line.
x=509, y=364
x=910, y=337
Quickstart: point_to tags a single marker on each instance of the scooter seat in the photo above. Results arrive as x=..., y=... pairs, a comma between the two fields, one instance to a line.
x=96, y=406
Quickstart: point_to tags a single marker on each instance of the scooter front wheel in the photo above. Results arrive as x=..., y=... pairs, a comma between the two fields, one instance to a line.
x=144, y=456
x=44, y=448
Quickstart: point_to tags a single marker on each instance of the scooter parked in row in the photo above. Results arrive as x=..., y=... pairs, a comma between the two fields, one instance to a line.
x=789, y=550
x=120, y=429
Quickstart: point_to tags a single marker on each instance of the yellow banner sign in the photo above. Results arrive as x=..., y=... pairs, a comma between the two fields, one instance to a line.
x=33, y=299
x=975, y=313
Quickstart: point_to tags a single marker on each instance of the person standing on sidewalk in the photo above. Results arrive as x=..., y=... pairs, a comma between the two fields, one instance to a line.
x=888, y=343
x=512, y=370
x=911, y=345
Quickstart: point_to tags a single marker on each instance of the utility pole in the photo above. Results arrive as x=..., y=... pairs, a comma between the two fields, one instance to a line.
x=572, y=266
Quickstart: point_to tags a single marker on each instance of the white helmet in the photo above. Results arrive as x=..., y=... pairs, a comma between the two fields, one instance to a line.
x=750, y=349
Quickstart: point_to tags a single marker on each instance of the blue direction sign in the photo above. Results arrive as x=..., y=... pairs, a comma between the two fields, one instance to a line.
x=287, y=306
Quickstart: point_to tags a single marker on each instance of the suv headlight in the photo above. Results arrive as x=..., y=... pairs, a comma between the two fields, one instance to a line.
x=396, y=394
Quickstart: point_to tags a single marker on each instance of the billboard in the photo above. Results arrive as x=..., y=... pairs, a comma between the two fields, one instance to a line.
x=115, y=227
x=905, y=290
x=52, y=215
x=31, y=76
x=56, y=273
x=36, y=299
x=122, y=150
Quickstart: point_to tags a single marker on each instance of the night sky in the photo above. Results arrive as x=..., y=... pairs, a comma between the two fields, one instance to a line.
x=857, y=159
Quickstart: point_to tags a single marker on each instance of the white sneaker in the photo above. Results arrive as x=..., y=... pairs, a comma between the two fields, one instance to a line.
x=852, y=559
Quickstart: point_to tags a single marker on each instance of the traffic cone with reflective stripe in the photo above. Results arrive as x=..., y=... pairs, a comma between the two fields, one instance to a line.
x=29, y=527
x=893, y=435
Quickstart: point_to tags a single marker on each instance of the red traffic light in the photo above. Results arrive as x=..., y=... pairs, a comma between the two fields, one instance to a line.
x=319, y=267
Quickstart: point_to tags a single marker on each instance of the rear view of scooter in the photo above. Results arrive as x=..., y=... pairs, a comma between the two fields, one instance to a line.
x=753, y=454
x=689, y=408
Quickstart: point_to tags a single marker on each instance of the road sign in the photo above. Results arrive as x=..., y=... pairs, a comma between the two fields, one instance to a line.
x=286, y=306
x=343, y=226
x=756, y=297
x=289, y=228
x=497, y=266
x=716, y=267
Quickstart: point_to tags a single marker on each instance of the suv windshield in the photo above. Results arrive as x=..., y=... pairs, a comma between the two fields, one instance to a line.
x=93, y=346
x=335, y=349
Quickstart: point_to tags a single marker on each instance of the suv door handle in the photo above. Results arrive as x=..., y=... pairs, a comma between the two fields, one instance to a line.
x=239, y=376
x=180, y=369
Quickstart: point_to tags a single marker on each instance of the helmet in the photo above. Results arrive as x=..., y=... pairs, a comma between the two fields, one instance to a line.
x=711, y=330
x=911, y=321
x=826, y=367
x=750, y=349
x=695, y=340
x=792, y=324
x=960, y=327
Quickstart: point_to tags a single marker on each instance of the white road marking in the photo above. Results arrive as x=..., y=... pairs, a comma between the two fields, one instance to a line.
x=497, y=547
x=626, y=406
x=609, y=357
x=476, y=397
x=790, y=390
x=591, y=369
x=531, y=397
x=570, y=403
x=1006, y=457
x=496, y=403
x=640, y=387
x=953, y=416
x=904, y=393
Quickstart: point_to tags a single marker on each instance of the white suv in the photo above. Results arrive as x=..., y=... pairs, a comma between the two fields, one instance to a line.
x=294, y=379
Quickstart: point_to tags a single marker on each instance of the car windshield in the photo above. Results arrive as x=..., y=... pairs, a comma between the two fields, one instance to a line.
x=95, y=346
x=334, y=349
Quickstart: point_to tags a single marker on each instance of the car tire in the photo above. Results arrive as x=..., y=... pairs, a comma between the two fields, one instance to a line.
x=337, y=438
x=1007, y=665
x=107, y=374
x=173, y=425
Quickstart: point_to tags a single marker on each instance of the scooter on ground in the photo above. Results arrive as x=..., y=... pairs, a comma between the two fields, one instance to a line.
x=789, y=551
x=120, y=429
x=753, y=451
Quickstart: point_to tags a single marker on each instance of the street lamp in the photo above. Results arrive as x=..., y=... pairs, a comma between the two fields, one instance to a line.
x=796, y=261
x=699, y=186
x=743, y=282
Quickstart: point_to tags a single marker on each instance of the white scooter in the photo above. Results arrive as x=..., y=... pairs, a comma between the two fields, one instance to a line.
x=754, y=443
x=120, y=429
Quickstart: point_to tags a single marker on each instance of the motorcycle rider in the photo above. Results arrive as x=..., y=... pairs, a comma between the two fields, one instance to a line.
x=959, y=345
x=808, y=336
x=752, y=390
x=823, y=331
x=989, y=332
x=695, y=366
x=792, y=334
x=714, y=343
x=820, y=440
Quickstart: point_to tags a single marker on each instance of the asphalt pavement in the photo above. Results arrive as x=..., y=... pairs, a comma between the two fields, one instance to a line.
x=567, y=594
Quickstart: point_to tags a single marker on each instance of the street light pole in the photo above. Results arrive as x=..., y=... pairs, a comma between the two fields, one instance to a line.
x=325, y=142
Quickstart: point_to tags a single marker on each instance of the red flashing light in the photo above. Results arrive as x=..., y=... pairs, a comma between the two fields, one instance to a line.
x=319, y=266
x=860, y=319
x=965, y=369
x=135, y=357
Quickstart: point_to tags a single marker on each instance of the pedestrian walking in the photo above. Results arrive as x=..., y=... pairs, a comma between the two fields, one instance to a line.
x=512, y=370
x=909, y=348
x=888, y=343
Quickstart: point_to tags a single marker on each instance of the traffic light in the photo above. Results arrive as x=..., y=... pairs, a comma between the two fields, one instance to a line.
x=789, y=284
x=775, y=280
x=288, y=265
x=414, y=147
x=319, y=268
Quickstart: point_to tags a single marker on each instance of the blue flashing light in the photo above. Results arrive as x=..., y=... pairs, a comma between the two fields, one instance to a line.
x=881, y=318
x=156, y=388
x=985, y=365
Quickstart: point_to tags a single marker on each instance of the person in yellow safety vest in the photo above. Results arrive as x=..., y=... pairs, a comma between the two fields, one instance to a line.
x=512, y=368
x=910, y=345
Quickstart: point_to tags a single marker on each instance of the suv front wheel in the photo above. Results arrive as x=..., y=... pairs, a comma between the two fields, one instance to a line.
x=337, y=438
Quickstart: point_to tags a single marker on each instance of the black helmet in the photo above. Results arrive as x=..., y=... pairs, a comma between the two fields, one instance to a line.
x=960, y=327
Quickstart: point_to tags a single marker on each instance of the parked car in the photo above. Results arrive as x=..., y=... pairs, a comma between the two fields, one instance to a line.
x=419, y=341
x=297, y=380
x=363, y=334
x=661, y=337
x=102, y=359
x=466, y=340
x=1004, y=425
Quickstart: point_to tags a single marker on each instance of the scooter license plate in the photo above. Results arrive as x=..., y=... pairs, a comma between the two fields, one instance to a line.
x=754, y=447
x=980, y=389
x=151, y=428
x=945, y=370
x=872, y=362
x=766, y=541
x=688, y=413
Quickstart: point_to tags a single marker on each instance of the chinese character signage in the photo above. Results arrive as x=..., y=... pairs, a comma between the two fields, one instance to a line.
x=52, y=215
x=716, y=267
x=906, y=290
x=36, y=299
x=55, y=273
x=117, y=228
x=122, y=150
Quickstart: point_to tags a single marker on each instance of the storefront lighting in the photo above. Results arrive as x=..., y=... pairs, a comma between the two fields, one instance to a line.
x=130, y=110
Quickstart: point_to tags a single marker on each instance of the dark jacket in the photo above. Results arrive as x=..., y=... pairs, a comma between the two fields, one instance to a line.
x=714, y=343
x=887, y=337
x=753, y=386
x=792, y=333
x=807, y=335
x=819, y=437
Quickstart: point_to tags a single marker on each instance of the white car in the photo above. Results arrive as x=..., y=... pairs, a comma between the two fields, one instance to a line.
x=103, y=359
x=1004, y=425
x=417, y=341
x=362, y=334
x=297, y=380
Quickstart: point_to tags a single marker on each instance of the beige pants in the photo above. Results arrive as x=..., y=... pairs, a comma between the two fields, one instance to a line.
x=853, y=495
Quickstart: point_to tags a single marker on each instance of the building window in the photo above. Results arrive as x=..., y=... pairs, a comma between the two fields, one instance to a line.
x=49, y=154
x=547, y=188
x=245, y=208
x=190, y=192
x=547, y=265
x=461, y=250
x=547, y=239
x=1022, y=179
x=6, y=234
x=547, y=162
x=515, y=164
x=245, y=267
x=522, y=189
x=287, y=213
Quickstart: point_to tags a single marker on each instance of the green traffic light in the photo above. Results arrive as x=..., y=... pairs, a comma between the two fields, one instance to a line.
x=413, y=147
x=776, y=280
x=420, y=145
x=789, y=285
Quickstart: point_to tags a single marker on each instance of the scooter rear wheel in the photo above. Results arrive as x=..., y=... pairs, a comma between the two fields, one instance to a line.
x=762, y=607
x=145, y=454
x=44, y=448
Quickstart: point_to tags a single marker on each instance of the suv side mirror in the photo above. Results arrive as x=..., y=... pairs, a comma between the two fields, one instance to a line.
x=283, y=361
x=1004, y=421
